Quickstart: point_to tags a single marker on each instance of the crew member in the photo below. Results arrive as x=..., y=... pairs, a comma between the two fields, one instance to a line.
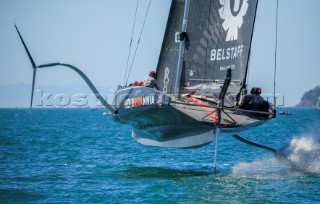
x=151, y=81
x=253, y=101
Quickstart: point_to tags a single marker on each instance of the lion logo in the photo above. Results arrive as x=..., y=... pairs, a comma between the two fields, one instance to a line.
x=232, y=12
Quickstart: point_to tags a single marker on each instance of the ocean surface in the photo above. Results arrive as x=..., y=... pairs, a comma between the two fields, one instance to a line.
x=83, y=156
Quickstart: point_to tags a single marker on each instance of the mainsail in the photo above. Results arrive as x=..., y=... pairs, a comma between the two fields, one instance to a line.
x=219, y=35
x=167, y=65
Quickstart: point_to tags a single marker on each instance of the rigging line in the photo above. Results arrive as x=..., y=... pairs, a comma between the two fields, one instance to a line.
x=248, y=64
x=132, y=32
x=135, y=52
x=275, y=57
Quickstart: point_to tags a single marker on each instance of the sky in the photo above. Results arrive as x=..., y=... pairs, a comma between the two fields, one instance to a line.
x=95, y=36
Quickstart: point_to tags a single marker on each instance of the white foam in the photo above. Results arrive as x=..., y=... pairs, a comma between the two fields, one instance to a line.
x=302, y=157
x=304, y=153
x=262, y=168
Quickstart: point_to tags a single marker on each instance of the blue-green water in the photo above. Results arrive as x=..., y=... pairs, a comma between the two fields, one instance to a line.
x=82, y=156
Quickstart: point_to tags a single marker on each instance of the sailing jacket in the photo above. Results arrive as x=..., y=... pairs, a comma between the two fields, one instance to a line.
x=150, y=82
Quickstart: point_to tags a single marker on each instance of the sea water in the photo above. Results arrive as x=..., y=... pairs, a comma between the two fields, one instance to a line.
x=84, y=156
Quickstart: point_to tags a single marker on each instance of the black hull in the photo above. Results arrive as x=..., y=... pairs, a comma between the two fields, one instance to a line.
x=158, y=121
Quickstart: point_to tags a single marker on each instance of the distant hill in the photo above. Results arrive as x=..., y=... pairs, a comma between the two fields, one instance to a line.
x=310, y=98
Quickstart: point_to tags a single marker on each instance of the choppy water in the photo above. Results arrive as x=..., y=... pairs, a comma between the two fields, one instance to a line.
x=82, y=156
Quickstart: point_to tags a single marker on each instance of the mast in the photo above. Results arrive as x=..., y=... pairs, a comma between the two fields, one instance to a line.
x=182, y=46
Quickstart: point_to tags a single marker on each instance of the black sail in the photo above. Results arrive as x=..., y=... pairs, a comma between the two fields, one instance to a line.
x=220, y=38
x=219, y=35
x=167, y=65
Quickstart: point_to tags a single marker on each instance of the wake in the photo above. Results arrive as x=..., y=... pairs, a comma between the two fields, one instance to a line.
x=304, y=154
x=300, y=156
